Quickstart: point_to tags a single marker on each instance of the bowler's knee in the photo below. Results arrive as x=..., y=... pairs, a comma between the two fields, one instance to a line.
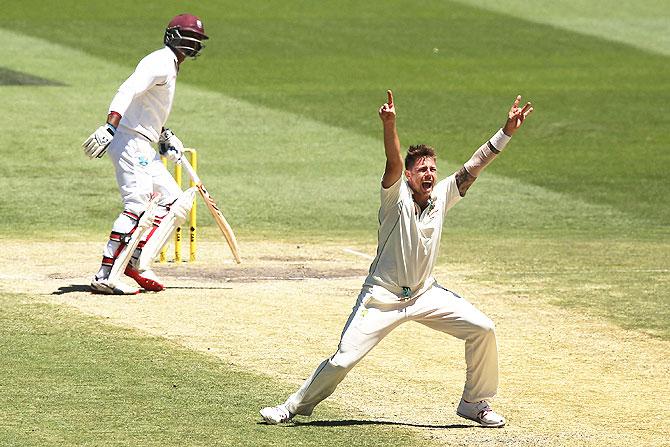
x=484, y=327
x=344, y=359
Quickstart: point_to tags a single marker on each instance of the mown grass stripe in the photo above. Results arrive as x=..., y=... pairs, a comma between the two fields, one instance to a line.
x=644, y=24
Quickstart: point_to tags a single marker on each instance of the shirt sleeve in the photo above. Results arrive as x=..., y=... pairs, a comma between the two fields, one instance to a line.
x=447, y=189
x=146, y=75
x=391, y=196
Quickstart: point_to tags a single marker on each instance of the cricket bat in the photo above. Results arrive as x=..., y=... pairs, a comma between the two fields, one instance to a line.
x=214, y=209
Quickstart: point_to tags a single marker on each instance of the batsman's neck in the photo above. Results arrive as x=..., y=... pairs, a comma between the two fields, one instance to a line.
x=180, y=57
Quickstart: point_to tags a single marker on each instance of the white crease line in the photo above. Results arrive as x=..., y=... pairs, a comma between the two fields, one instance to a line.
x=358, y=253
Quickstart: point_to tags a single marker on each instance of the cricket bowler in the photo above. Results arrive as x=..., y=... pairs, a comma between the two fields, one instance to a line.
x=400, y=286
x=135, y=121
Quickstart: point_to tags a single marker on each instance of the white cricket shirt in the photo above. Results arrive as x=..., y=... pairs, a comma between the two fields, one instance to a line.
x=144, y=100
x=408, y=242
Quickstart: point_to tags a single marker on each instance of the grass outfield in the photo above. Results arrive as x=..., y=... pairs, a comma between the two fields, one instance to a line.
x=90, y=383
x=583, y=141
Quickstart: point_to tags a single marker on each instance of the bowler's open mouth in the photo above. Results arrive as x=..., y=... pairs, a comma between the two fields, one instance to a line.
x=426, y=186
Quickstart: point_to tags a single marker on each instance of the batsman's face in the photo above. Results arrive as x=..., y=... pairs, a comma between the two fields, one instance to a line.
x=422, y=177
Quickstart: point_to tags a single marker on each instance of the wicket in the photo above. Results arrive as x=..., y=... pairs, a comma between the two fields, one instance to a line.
x=193, y=155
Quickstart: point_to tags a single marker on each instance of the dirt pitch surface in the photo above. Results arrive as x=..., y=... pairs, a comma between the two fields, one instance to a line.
x=566, y=379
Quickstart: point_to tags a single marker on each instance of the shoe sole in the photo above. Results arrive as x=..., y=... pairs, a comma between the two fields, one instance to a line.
x=272, y=421
x=480, y=422
x=145, y=283
x=111, y=291
x=268, y=420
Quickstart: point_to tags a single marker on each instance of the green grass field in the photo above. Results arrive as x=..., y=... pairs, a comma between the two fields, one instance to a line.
x=91, y=383
x=282, y=107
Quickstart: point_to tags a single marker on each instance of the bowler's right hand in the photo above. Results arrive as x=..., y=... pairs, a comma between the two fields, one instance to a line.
x=387, y=111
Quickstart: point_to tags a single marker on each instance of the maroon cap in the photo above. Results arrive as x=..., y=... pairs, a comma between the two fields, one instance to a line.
x=188, y=22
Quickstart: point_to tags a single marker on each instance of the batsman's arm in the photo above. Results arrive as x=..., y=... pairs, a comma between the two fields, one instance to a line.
x=469, y=172
x=114, y=118
x=142, y=79
x=394, y=163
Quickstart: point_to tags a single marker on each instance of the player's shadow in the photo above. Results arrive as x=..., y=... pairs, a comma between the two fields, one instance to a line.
x=76, y=288
x=72, y=288
x=351, y=422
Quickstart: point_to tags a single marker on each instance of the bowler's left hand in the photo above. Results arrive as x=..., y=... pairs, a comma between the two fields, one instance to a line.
x=516, y=116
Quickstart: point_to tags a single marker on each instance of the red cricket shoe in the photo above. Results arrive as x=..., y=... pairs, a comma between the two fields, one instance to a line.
x=146, y=279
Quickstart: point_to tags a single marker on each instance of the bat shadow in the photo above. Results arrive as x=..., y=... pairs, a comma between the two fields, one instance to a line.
x=72, y=288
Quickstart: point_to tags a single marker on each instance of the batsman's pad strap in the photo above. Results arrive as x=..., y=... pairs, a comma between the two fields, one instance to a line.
x=124, y=240
x=131, y=215
x=107, y=261
x=148, y=236
x=116, y=236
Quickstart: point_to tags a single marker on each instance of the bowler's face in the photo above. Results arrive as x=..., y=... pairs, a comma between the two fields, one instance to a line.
x=422, y=177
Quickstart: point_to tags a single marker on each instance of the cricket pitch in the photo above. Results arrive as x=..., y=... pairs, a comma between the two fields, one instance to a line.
x=565, y=378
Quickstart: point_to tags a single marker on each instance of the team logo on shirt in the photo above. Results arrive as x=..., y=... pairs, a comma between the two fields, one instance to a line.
x=432, y=209
x=143, y=160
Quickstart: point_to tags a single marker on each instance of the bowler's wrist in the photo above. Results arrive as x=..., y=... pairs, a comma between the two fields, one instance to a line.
x=499, y=140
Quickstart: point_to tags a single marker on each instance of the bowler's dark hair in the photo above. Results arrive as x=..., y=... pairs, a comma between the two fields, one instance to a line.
x=417, y=152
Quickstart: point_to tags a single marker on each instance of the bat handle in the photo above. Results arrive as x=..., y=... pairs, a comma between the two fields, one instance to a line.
x=189, y=169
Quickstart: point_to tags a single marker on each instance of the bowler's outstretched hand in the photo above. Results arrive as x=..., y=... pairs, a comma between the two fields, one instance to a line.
x=516, y=116
x=387, y=111
x=394, y=161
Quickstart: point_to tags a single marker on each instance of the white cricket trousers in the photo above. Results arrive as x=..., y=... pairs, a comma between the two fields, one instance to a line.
x=370, y=321
x=140, y=172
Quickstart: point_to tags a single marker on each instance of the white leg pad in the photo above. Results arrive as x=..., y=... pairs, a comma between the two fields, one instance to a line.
x=143, y=225
x=174, y=218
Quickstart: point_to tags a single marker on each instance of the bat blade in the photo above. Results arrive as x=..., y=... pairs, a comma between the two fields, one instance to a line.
x=221, y=221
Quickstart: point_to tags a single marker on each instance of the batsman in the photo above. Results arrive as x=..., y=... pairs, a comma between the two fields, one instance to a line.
x=400, y=286
x=137, y=116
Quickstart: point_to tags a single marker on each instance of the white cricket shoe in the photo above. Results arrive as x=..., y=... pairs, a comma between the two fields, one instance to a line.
x=480, y=412
x=103, y=285
x=276, y=415
x=147, y=279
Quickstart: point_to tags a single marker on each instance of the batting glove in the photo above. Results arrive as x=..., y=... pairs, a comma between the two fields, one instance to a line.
x=170, y=146
x=96, y=145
